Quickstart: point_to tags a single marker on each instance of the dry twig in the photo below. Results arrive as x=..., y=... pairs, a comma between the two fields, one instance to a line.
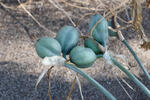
x=42, y=26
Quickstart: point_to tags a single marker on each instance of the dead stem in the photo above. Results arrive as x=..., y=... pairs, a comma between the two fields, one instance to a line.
x=42, y=26
x=80, y=7
x=71, y=89
x=48, y=75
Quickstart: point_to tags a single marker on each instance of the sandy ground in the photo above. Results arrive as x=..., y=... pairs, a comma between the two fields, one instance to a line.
x=20, y=65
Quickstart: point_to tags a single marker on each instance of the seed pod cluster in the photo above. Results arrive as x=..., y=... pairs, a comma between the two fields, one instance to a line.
x=66, y=43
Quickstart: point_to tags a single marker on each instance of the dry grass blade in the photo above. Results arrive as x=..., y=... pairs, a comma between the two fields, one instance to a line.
x=87, y=14
x=8, y=7
x=128, y=84
x=58, y=6
x=80, y=7
x=82, y=2
x=27, y=30
x=120, y=28
x=124, y=27
x=76, y=78
x=120, y=82
x=123, y=88
x=71, y=89
x=79, y=84
x=42, y=26
x=48, y=74
x=41, y=76
x=126, y=22
x=117, y=9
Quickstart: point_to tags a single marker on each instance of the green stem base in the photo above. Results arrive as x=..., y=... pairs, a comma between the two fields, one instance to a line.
x=91, y=80
x=131, y=76
x=136, y=58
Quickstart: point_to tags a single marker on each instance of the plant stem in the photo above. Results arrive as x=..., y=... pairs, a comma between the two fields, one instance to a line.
x=99, y=55
x=131, y=76
x=91, y=80
x=64, y=55
x=71, y=89
x=136, y=58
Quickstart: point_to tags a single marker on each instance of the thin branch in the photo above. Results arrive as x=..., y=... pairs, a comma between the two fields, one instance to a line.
x=8, y=7
x=82, y=17
x=27, y=31
x=123, y=88
x=79, y=85
x=49, y=84
x=128, y=85
x=58, y=6
x=42, y=26
x=79, y=7
x=71, y=89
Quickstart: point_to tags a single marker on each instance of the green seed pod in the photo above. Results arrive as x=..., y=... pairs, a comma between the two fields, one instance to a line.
x=68, y=37
x=47, y=47
x=82, y=57
x=92, y=44
x=100, y=33
x=110, y=32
